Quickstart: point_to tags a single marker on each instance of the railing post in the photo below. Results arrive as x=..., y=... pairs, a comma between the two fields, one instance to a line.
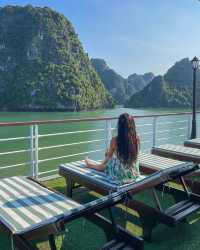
x=108, y=133
x=154, y=131
x=197, y=125
x=32, y=155
x=189, y=126
x=36, y=151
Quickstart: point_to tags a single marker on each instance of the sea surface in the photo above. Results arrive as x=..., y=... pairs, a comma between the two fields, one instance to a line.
x=172, y=129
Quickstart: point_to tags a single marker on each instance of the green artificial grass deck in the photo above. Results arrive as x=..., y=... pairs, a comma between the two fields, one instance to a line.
x=83, y=235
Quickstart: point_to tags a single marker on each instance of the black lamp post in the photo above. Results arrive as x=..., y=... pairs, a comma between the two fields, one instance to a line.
x=195, y=65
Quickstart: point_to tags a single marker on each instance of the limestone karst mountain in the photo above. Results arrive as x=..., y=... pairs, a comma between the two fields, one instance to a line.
x=120, y=88
x=174, y=89
x=43, y=65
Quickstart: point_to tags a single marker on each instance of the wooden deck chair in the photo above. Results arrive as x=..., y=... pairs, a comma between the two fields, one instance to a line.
x=77, y=172
x=194, y=143
x=150, y=163
x=182, y=153
x=178, y=152
x=29, y=211
x=150, y=216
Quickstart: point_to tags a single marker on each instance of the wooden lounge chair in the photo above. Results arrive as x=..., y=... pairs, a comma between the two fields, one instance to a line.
x=150, y=216
x=194, y=143
x=77, y=172
x=178, y=152
x=150, y=163
x=29, y=211
x=182, y=153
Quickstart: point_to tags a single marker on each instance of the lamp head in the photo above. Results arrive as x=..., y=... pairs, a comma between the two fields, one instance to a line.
x=195, y=62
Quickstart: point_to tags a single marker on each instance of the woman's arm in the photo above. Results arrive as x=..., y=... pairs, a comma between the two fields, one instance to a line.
x=111, y=150
x=101, y=166
x=98, y=166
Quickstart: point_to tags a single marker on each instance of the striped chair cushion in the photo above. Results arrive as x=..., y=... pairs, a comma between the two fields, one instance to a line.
x=96, y=177
x=25, y=204
x=179, y=150
x=158, y=162
x=193, y=143
x=103, y=181
x=99, y=178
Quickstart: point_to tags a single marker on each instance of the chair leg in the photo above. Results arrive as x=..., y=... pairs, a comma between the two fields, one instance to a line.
x=52, y=242
x=147, y=217
x=114, y=225
x=147, y=232
x=69, y=185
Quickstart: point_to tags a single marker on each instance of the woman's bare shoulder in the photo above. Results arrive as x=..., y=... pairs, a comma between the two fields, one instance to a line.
x=114, y=139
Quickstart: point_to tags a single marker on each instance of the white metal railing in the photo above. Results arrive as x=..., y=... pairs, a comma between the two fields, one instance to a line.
x=152, y=129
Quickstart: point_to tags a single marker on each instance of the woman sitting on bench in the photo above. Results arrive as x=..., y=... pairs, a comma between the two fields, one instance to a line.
x=121, y=161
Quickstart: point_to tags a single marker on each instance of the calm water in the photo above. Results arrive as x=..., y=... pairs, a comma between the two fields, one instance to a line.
x=170, y=129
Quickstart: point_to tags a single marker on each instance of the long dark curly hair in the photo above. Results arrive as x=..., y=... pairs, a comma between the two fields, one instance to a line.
x=127, y=140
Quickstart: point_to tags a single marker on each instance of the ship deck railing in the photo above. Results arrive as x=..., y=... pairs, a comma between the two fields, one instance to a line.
x=24, y=151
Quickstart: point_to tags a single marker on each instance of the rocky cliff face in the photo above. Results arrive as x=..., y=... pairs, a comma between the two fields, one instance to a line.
x=180, y=74
x=137, y=82
x=43, y=65
x=114, y=83
x=159, y=93
x=120, y=88
x=174, y=89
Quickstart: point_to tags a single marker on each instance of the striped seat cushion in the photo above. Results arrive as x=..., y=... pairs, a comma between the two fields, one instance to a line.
x=96, y=177
x=178, y=150
x=79, y=168
x=25, y=204
x=195, y=143
x=79, y=172
x=158, y=162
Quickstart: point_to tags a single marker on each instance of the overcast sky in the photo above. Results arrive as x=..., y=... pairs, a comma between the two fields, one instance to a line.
x=132, y=35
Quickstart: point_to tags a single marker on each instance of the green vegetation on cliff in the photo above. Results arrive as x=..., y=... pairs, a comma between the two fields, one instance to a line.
x=120, y=88
x=137, y=82
x=114, y=83
x=174, y=89
x=160, y=93
x=43, y=65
